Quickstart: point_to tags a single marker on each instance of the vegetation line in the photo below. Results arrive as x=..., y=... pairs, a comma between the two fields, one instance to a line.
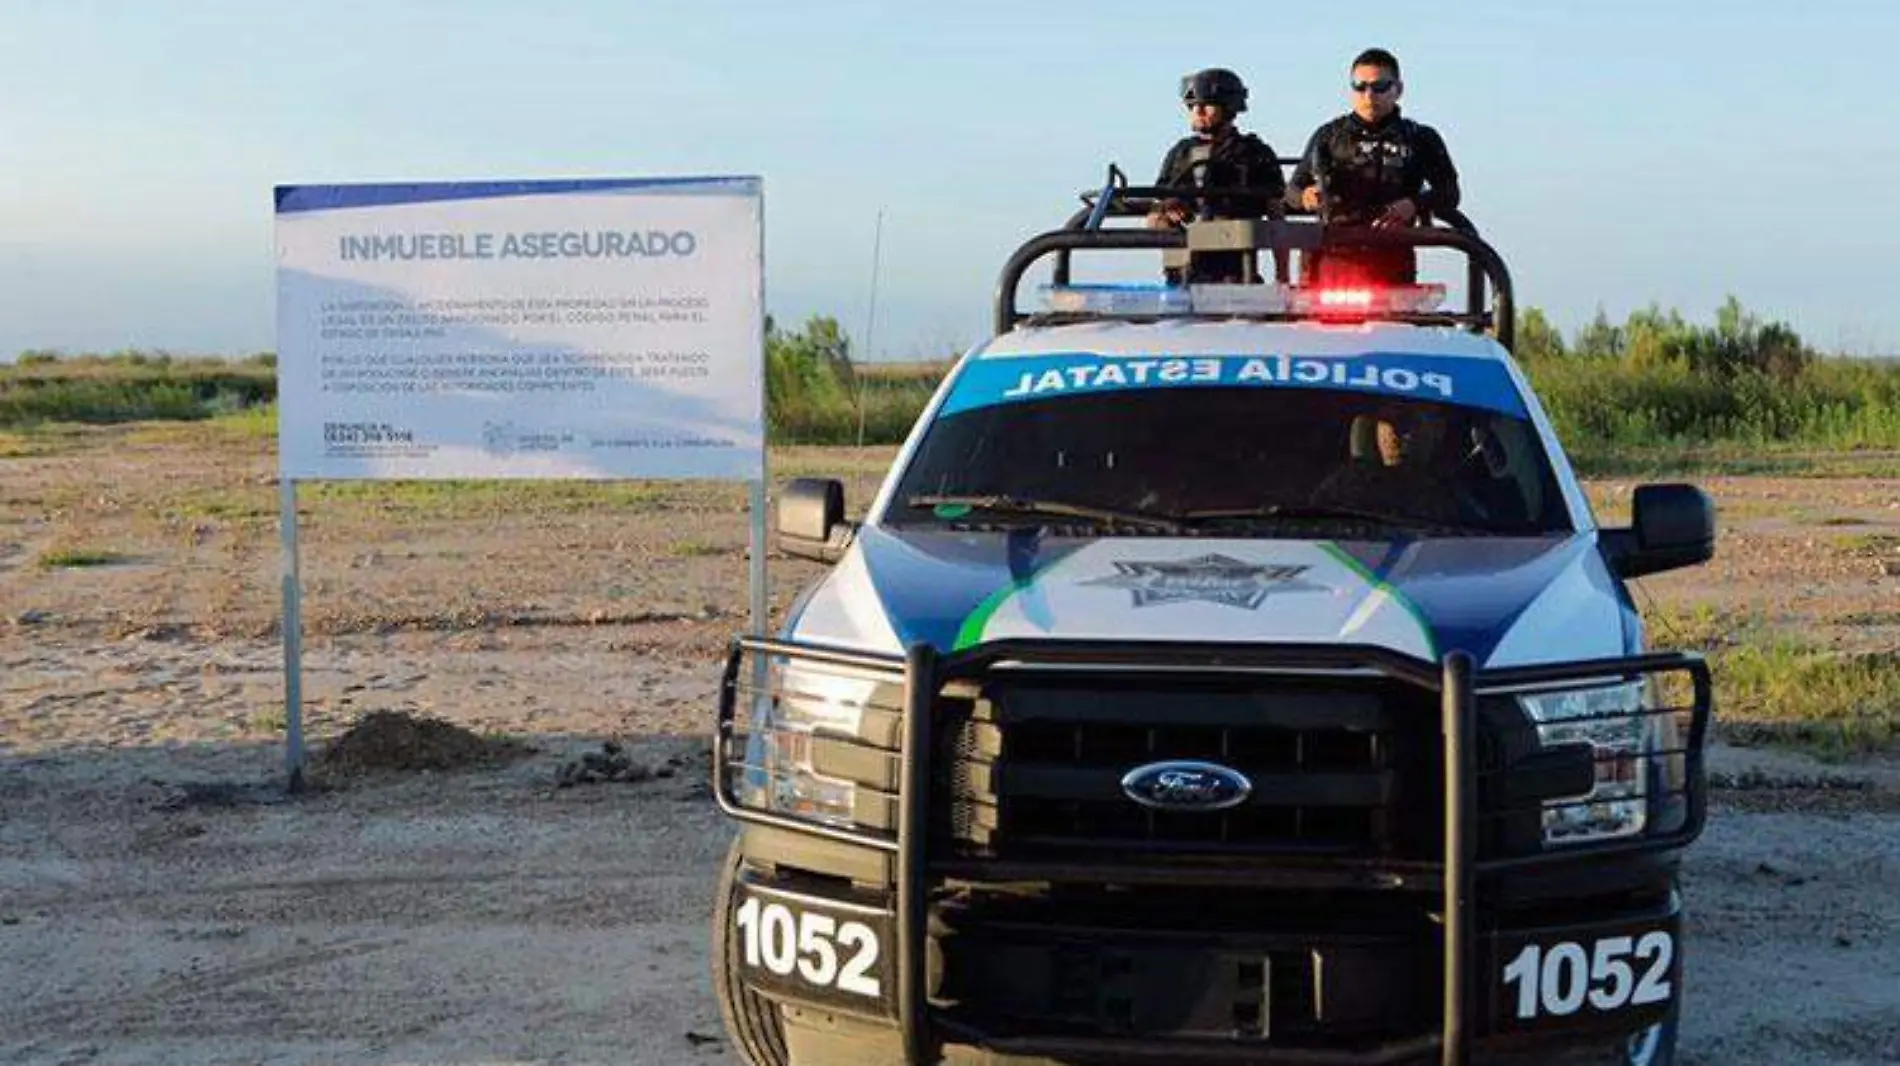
x=1654, y=394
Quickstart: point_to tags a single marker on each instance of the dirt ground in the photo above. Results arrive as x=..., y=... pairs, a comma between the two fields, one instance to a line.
x=160, y=902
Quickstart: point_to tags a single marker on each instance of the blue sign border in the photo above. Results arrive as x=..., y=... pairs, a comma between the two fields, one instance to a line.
x=294, y=199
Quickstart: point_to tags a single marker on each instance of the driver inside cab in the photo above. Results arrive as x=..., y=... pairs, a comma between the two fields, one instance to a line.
x=1396, y=466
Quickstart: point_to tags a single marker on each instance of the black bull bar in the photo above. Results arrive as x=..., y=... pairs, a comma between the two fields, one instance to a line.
x=925, y=672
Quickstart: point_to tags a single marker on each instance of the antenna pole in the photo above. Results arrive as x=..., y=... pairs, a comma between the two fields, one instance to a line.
x=870, y=318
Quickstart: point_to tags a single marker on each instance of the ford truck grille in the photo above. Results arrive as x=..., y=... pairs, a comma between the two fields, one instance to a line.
x=1033, y=767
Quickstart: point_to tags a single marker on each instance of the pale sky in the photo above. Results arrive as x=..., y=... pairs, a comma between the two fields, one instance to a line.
x=1616, y=152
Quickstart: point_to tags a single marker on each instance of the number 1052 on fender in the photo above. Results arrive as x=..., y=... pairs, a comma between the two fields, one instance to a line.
x=1559, y=978
x=816, y=950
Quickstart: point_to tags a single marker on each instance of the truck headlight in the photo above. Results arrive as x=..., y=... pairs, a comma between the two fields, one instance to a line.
x=1615, y=722
x=792, y=704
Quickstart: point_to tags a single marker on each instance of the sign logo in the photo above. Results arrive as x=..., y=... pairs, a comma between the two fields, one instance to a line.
x=506, y=438
x=1207, y=578
x=1186, y=786
x=498, y=438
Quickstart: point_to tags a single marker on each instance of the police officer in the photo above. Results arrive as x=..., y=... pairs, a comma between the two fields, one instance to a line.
x=1217, y=154
x=1405, y=474
x=1373, y=167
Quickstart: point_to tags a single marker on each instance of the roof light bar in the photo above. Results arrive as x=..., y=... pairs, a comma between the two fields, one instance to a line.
x=1119, y=299
x=1290, y=300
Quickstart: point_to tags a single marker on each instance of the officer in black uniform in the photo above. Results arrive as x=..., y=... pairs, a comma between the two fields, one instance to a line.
x=1218, y=155
x=1398, y=467
x=1372, y=167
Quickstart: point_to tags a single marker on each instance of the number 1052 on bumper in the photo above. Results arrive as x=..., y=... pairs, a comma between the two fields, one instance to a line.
x=1554, y=982
x=815, y=949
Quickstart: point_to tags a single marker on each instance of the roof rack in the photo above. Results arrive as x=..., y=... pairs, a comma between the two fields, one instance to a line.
x=1279, y=231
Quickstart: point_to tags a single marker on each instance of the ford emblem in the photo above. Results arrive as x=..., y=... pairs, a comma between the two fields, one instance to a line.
x=1186, y=786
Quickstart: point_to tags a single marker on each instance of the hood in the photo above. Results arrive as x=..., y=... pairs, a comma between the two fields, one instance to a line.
x=1506, y=601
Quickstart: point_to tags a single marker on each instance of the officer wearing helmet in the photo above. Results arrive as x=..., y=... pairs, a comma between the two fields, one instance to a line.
x=1217, y=154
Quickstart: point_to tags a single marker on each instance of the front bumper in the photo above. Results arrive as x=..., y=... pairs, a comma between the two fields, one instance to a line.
x=1069, y=982
x=1300, y=960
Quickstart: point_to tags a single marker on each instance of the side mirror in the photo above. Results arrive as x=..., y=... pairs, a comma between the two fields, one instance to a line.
x=811, y=521
x=1672, y=526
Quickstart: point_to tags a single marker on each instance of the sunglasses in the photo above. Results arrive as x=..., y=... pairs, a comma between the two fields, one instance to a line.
x=1381, y=86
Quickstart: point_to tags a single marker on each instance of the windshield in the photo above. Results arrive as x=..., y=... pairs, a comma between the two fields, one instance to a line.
x=1234, y=461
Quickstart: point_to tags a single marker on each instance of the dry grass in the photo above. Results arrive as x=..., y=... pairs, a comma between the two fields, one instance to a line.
x=1772, y=685
x=1870, y=545
x=697, y=549
x=78, y=558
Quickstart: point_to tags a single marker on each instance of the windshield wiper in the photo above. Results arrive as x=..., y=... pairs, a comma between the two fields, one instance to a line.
x=1051, y=508
x=1294, y=510
x=1326, y=511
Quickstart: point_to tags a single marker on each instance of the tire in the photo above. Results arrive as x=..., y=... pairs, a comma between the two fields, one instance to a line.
x=1655, y=1046
x=752, y=1021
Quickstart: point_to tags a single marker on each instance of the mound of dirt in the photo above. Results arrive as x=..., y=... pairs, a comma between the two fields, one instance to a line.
x=397, y=741
x=616, y=762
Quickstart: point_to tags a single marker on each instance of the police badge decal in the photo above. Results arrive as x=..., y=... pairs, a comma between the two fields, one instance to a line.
x=1207, y=579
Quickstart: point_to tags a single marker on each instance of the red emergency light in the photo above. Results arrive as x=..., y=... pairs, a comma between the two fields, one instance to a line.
x=1353, y=302
x=1356, y=300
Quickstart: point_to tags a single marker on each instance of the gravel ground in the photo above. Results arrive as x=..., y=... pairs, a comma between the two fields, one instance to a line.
x=148, y=916
x=461, y=918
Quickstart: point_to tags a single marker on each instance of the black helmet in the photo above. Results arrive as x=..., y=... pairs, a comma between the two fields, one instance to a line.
x=1215, y=85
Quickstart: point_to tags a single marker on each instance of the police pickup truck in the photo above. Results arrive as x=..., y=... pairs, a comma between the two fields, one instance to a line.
x=1224, y=673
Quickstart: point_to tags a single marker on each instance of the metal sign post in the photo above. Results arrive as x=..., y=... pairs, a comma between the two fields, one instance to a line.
x=761, y=601
x=293, y=640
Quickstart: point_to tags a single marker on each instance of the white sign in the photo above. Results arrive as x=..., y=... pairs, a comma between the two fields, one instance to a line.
x=538, y=329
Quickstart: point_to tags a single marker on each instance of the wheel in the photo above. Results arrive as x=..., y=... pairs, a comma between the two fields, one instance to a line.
x=1654, y=1046
x=752, y=1021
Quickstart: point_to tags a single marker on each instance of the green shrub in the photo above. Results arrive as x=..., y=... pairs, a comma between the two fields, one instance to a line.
x=128, y=386
x=817, y=395
x=1658, y=382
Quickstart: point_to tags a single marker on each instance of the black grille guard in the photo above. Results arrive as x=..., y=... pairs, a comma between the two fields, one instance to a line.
x=925, y=672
